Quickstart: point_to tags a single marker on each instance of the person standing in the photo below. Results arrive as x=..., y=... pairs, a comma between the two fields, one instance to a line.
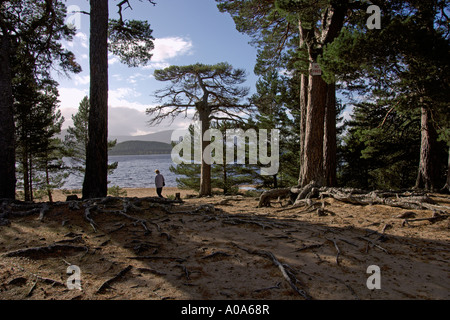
x=160, y=183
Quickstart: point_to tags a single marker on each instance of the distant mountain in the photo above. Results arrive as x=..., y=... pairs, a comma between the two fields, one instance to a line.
x=162, y=136
x=140, y=148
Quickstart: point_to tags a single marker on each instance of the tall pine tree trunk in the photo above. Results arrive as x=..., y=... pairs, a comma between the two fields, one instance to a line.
x=446, y=188
x=312, y=166
x=96, y=175
x=303, y=107
x=26, y=183
x=7, y=138
x=30, y=179
x=329, y=144
x=428, y=172
x=205, y=171
x=47, y=180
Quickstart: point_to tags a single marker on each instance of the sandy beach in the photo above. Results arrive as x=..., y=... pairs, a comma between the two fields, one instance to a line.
x=59, y=195
x=225, y=247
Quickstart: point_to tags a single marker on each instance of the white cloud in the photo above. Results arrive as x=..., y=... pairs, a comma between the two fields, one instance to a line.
x=126, y=121
x=123, y=97
x=82, y=39
x=165, y=49
x=70, y=99
x=82, y=80
x=168, y=48
x=121, y=93
x=113, y=60
x=157, y=65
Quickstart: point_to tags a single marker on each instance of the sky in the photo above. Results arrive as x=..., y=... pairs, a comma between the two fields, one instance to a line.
x=185, y=32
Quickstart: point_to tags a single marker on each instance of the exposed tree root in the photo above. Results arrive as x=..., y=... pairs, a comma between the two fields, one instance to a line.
x=177, y=259
x=412, y=200
x=287, y=275
x=45, y=250
x=118, y=276
x=264, y=199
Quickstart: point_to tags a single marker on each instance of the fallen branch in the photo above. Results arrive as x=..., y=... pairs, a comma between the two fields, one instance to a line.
x=107, y=283
x=215, y=254
x=186, y=272
x=157, y=258
x=276, y=262
x=337, y=249
x=152, y=271
x=266, y=196
x=30, y=292
x=135, y=220
x=312, y=246
x=374, y=244
x=277, y=286
x=50, y=249
x=436, y=217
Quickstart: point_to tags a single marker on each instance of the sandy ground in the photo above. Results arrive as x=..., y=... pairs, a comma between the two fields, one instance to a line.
x=226, y=248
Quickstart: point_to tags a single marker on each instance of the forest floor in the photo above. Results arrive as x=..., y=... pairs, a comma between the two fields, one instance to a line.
x=226, y=248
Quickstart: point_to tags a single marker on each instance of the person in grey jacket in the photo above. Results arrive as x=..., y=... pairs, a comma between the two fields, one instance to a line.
x=160, y=183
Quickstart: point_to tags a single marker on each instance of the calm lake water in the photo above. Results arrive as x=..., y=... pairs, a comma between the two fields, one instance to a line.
x=134, y=172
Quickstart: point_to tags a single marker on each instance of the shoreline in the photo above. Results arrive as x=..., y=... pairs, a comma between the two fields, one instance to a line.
x=61, y=194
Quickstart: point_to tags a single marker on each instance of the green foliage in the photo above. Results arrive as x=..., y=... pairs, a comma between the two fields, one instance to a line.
x=77, y=139
x=275, y=105
x=38, y=120
x=211, y=89
x=404, y=67
x=380, y=149
x=226, y=177
x=131, y=41
x=117, y=191
x=273, y=31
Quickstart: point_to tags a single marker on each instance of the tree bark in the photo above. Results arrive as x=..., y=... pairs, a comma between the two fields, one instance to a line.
x=446, y=188
x=205, y=171
x=96, y=175
x=47, y=180
x=7, y=137
x=312, y=166
x=26, y=184
x=329, y=144
x=428, y=172
x=303, y=107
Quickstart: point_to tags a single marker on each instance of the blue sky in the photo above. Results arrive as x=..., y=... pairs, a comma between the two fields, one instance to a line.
x=185, y=32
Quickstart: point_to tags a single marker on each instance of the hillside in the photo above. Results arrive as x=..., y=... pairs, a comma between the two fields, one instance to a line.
x=140, y=148
x=162, y=136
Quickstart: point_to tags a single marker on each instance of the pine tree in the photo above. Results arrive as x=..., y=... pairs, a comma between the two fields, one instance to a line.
x=30, y=34
x=132, y=42
x=37, y=122
x=271, y=100
x=224, y=176
x=214, y=91
x=278, y=25
x=380, y=148
x=407, y=62
x=76, y=141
